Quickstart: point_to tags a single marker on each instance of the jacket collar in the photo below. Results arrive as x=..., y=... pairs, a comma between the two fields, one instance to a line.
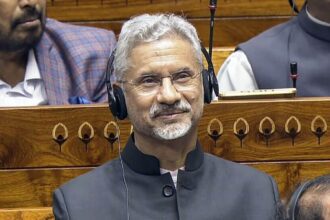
x=149, y=165
x=319, y=31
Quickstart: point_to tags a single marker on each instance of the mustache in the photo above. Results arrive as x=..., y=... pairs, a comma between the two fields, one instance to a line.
x=29, y=14
x=163, y=109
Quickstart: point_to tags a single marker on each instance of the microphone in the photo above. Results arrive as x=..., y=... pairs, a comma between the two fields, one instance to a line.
x=294, y=73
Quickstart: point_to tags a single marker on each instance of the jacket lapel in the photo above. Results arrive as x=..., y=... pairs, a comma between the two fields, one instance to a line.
x=49, y=72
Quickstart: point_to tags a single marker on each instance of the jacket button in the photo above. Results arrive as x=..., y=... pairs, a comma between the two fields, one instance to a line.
x=168, y=191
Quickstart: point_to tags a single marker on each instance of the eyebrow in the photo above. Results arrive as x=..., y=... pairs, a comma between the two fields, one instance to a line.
x=183, y=69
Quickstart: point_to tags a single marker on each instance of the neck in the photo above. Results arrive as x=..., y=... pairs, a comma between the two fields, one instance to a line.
x=170, y=153
x=319, y=9
x=13, y=66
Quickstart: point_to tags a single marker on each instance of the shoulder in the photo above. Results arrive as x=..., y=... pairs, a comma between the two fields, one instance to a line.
x=90, y=195
x=65, y=33
x=244, y=174
x=246, y=186
x=277, y=32
x=64, y=28
x=99, y=178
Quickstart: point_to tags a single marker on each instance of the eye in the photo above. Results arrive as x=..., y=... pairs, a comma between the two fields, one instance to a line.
x=182, y=76
x=148, y=81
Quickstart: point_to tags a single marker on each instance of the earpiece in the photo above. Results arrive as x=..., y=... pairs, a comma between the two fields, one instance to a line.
x=294, y=6
x=295, y=198
x=116, y=96
x=210, y=82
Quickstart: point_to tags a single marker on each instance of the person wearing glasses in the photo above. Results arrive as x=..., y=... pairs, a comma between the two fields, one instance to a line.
x=162, y=172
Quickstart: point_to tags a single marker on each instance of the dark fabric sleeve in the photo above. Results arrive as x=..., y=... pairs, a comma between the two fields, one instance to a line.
x=59, y=207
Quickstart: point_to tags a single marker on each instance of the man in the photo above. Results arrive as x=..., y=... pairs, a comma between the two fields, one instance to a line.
x=43, y=61
x=264, y=61
x=311, y=201
x=162, y=173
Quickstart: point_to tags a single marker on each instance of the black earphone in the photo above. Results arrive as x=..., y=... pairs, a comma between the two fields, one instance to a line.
x=116, y=96
x=295, y=199
x=294, y=6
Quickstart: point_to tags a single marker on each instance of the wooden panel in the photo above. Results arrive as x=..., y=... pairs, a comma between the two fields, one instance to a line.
x=27, y=214
x=27, y=141
x=236, y=20
x=32, y=165
x=190, y=8
x=254, y=146
x=33, y=188
x=31, y=144
x=114, y=3
x=227, y=32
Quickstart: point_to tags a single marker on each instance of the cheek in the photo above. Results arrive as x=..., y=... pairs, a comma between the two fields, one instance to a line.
x=138, y=106
x=5, y=18
x=5, y=28
x=196, y=96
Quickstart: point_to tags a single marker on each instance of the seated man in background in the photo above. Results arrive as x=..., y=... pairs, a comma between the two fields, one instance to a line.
x=263, y=62
x=311, y=201
x=162, y=172
x=43, y=61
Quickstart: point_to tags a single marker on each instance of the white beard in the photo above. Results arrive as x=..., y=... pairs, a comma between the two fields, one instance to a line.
x=172, y=131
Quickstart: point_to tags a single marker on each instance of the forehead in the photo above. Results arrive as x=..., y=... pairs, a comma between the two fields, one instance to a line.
x=163, y=55
x=8, y=2
x=14, y=3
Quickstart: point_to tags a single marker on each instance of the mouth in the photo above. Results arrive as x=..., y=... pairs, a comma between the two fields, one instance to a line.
x=29, y=21
x=169, y=115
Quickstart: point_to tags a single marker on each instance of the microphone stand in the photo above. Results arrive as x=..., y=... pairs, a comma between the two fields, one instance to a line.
x=213, y=78
x=212, y=6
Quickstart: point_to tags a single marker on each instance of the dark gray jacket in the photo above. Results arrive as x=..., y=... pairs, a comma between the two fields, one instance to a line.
x=210, y=188
x=299, y=40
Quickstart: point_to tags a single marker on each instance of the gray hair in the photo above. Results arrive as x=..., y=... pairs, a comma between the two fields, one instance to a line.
x=148, y=28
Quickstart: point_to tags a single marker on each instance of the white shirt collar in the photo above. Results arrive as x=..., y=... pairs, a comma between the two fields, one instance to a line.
x=29, y=92
x=317, y=20
x=32, y=74
x=174, y=174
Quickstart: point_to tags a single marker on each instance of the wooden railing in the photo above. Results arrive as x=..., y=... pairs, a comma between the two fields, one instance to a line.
x=33, y=164
x=236, y=20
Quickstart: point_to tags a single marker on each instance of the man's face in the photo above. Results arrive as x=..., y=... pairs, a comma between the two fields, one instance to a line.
x=21, y=23
x=170, y=110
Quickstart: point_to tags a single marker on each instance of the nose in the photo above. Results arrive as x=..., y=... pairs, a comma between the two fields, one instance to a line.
x=28, y=3
x=168, y=93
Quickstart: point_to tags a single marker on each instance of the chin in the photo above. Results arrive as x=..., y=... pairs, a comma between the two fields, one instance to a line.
x=172, y=132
